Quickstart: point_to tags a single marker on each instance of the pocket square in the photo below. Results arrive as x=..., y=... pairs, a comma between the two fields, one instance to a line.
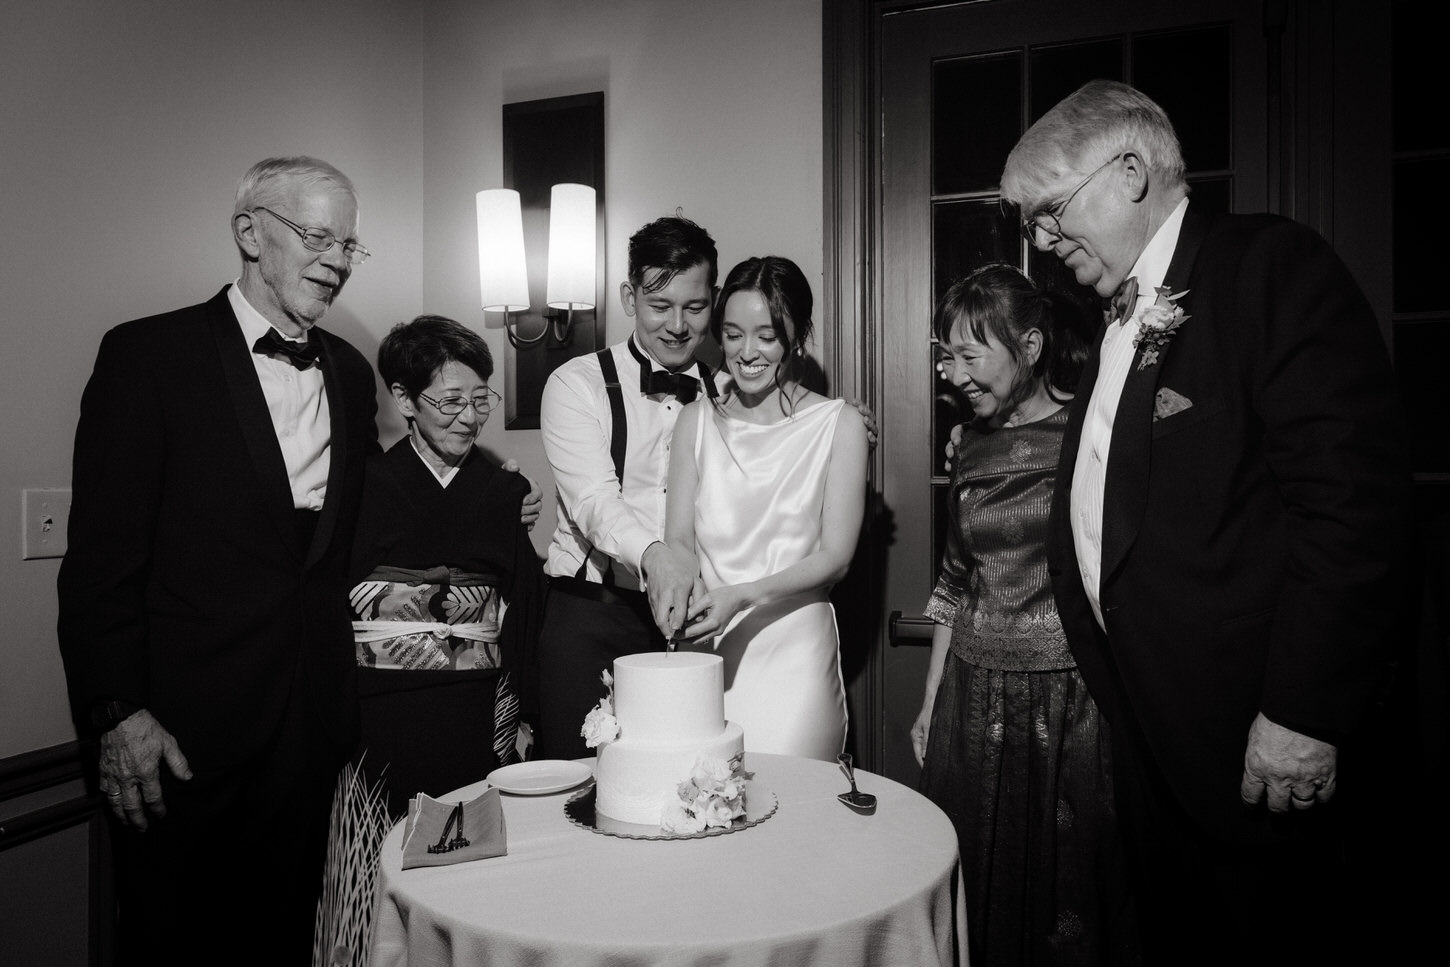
x=441, y=833
x=1166, y=403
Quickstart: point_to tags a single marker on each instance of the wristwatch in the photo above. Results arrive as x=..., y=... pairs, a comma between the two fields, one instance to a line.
x=106, y=715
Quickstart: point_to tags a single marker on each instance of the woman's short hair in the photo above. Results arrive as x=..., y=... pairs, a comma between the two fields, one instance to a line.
x=672, y=244
x=270, y=181
x=998, y=300
x=1097, y=121
x=785, y=290
x=412, y=353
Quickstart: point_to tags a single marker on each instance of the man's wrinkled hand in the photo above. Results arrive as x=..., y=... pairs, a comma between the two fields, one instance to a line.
x=868, y=420
x=130, y=768
x=1290, y=770
x=533, y=502
x=954, y=440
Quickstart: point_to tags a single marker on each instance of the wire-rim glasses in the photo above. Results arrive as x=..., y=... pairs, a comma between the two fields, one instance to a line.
x=1047, y=219
x=320, y=239
x=453, y=405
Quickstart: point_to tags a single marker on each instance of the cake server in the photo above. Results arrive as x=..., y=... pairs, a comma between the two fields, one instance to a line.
x=862, y=802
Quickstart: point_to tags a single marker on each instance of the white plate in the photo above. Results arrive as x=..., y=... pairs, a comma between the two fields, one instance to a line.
x=541, y=777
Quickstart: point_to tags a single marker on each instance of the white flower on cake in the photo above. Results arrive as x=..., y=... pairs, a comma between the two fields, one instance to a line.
x=680, y=819
x=713, y=796
x=600, y=725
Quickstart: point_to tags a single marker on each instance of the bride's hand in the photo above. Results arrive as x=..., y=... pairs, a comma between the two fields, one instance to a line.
x=712, y=613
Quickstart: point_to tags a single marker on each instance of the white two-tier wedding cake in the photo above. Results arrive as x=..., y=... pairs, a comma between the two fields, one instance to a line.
x=666, y=755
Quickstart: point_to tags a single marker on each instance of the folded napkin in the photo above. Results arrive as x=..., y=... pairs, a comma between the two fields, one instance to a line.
x=440, y=833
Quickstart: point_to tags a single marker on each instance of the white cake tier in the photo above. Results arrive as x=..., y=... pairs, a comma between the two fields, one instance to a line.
x=634, y=779
x=669, y=698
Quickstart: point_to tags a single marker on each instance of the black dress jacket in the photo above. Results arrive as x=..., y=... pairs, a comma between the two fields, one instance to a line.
x=187, y=588
x=1250, y=538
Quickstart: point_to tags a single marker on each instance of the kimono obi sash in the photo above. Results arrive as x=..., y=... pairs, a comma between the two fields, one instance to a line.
x=437, y=619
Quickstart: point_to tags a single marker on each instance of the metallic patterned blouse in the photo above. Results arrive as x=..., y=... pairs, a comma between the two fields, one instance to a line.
x=993, y=588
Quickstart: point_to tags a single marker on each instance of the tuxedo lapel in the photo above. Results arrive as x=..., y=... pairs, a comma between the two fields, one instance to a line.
x=250, y=408
x=337, y=457
x=1125, y=494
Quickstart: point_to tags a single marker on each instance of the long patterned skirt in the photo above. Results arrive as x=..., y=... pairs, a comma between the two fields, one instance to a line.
x=1020, y=763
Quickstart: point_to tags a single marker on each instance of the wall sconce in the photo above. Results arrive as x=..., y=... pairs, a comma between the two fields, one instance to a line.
x=503, y=278
x=571, y=253
x=502, y=267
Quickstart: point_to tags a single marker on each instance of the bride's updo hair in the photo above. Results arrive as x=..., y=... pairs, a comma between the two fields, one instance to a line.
x=786, y=292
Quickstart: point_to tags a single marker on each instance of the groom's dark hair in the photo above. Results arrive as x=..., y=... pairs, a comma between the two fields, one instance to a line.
x=666, y=247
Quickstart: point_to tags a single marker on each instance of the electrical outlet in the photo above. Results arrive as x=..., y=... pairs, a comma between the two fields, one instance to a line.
x=43, y=518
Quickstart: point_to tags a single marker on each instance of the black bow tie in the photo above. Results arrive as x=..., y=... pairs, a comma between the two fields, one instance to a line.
x=299, y=354
x=682, y=386
x=1121, y=307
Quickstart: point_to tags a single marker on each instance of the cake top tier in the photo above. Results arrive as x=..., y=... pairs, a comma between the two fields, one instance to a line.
x=669, y=696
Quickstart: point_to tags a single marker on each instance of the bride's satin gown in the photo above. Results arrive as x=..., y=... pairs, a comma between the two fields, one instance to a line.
x=758, y=510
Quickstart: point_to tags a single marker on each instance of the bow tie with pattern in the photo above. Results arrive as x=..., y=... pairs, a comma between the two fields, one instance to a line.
x=1121, y=307
x=299, y=354
x=682, y=386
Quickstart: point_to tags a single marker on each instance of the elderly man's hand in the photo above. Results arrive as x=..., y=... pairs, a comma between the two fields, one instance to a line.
x=954, y=440
x=534, y=502
x=868, y=419
x=1292, y=770
x=671, y=577
x=130, y=767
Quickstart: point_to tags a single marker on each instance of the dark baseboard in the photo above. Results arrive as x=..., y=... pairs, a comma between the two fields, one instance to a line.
x=57, y=766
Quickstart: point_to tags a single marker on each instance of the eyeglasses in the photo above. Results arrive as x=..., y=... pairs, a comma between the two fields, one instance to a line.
x=1047, y=219
x=320, y=239
x=454, y=405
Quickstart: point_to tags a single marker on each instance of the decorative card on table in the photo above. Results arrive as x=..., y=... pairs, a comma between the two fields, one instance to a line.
x=440, y=833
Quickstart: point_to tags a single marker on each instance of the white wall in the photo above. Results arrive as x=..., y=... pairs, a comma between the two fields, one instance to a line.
x=124, y=125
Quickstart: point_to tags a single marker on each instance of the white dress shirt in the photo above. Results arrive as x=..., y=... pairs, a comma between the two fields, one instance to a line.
x=298, y=405
x=1089, y=476
x=593, y=512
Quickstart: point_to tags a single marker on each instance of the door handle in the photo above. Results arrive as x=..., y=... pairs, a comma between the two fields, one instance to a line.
x=904, y=629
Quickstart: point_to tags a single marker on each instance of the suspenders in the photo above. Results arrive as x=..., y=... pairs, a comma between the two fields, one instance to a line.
x=618, y=434
x=616, y=411
x=617, y=441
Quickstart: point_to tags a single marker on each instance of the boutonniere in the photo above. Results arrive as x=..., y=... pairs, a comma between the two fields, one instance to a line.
x=1158, y=323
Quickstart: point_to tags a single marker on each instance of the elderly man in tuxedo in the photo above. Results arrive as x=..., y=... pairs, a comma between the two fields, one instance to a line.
x=1230, y=511
x=203, y=610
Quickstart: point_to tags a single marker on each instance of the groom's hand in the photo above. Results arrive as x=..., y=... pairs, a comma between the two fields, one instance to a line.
x=669, y=577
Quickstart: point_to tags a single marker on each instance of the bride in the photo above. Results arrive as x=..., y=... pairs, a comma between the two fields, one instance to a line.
x=767, y=487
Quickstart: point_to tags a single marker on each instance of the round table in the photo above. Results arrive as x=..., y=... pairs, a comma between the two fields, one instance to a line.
x=816, y=883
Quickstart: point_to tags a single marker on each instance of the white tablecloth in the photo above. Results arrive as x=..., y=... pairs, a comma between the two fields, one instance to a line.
x=814, y=884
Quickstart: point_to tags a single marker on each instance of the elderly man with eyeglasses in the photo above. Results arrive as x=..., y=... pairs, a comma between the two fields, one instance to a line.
x=203, y=614
x=1230, y=512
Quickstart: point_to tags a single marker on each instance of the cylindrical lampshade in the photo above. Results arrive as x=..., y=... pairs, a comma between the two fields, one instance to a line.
x=503, y=279
x=571, y=247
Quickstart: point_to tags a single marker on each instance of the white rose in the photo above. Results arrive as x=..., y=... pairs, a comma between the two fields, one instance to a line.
x=716, y=770
x=599, y=728
x=677, y=819
x=718, y=814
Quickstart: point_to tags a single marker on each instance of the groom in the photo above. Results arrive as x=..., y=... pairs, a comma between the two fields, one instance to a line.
x=607, y=422
x=1231, y=505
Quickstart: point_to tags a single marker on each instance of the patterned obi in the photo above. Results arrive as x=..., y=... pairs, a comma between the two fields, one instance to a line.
x=432, y=620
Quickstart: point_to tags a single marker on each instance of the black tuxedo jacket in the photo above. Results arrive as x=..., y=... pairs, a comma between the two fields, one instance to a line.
x=186, y=588
x=1250, y=538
